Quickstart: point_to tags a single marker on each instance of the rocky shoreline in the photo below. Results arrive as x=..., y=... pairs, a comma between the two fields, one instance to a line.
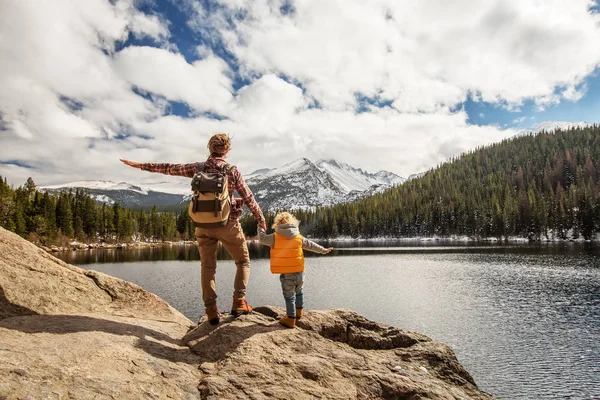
x=66, y=332
x=73, y=246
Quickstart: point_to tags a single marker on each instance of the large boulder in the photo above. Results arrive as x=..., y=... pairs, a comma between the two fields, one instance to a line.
x=70, y=333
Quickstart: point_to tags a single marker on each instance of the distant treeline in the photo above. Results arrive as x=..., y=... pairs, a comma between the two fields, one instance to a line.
x=58, y=219
x=537, y=186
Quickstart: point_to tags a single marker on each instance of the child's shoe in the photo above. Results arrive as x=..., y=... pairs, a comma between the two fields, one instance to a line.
x=240, y=306
x=298, y=313
x=290, y=322
x=213, y=315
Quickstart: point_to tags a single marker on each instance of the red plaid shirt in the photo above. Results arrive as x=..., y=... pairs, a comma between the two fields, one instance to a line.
x=214, y=164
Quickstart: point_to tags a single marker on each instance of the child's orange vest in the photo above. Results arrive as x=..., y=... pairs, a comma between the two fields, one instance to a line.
x=286, y=255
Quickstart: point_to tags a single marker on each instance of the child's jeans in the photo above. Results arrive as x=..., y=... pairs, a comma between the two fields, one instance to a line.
x=291, y=284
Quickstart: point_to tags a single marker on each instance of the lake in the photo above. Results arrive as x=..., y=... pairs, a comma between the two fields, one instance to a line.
x=523, y=319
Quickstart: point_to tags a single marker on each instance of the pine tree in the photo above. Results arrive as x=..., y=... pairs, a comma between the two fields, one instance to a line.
x=64, y=215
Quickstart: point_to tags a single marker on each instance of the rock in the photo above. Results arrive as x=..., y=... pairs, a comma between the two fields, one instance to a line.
x=70, y=333
x=334, y=354
x=82, y=334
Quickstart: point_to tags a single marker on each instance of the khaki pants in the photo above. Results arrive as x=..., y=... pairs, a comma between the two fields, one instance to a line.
x=232, y=238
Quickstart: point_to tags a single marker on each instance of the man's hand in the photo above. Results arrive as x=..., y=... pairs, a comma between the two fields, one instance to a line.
x=263, y=225
x=131, y=163
x=329, y=250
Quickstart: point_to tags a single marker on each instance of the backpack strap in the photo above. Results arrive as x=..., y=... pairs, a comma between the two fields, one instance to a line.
x=227, y=168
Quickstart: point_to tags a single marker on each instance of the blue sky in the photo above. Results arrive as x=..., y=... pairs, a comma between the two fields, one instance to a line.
x=585, y=109
x=389, y=85
x=479, y=112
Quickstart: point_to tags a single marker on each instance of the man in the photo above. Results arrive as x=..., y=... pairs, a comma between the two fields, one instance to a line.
x=230, y=235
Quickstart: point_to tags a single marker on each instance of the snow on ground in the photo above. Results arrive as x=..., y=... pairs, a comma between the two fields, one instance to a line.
x=100, y=198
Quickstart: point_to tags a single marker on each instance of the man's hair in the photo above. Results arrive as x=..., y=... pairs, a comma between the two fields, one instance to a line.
x=285, y=218
x=219, y=144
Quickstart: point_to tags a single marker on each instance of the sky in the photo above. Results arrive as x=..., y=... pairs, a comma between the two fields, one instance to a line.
x=395, y=85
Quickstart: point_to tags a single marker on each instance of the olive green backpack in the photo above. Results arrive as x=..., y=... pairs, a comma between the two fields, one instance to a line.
x=211, y=201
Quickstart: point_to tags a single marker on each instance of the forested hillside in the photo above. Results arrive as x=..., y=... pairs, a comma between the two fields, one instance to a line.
x=544, y=185
x=538, y=186
x=58, y=219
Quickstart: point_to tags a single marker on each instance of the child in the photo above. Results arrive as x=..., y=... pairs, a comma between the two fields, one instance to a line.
x=287, y=259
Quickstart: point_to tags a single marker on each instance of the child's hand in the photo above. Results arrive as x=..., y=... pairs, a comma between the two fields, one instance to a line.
x=329, y=250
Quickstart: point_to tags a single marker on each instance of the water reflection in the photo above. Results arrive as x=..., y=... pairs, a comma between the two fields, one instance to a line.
x=175, y=252
x=189, y=252
x=523, y=319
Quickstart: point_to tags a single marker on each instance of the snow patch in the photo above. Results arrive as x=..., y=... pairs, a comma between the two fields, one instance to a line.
x=551, y=126
x=101, y=198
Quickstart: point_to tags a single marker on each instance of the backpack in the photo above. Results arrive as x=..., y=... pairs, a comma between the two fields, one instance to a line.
x=211, y=201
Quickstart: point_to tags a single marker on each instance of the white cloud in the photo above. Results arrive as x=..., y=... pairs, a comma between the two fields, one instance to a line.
x=574, y=94
x=59, y=90
x=383, y=139
x=269, y=104
x=148, y=25
x=67, y=107
x=543, y=102
x=420, y=55
x=203, y=84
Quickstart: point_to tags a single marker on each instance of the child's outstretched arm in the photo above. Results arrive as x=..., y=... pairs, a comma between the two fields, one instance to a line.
x=314, y=247
x=263, y=238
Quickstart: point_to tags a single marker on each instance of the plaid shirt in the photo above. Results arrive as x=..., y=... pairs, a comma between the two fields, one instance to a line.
x=213, y=164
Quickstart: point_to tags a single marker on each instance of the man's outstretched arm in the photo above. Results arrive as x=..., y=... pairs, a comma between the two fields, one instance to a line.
x=188, y=170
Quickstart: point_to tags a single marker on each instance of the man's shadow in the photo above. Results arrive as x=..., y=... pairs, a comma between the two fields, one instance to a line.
x=213, y=342
x=149, y=340
x=7, y=309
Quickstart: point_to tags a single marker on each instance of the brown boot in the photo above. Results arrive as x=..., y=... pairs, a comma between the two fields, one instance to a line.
x=240, y=306
x=298, y=313
x=213, y=315
x=288, y=321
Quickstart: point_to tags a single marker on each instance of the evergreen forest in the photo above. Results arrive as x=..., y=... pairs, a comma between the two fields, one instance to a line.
x=542, y=186
x=59, y=219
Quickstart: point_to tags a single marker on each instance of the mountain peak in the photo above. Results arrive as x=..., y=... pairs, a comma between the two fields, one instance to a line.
x=300, y=164
x=304, y=184
x=330, y=161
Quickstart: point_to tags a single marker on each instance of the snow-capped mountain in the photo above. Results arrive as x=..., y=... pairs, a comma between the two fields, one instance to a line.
x=126, y=194
x=349, y=178
x=550, y=126
x=304, y=184
x=257, y=173
x=164, y=187
x=298, y=184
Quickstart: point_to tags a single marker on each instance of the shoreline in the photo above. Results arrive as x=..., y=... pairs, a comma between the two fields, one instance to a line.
x=77, y=246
